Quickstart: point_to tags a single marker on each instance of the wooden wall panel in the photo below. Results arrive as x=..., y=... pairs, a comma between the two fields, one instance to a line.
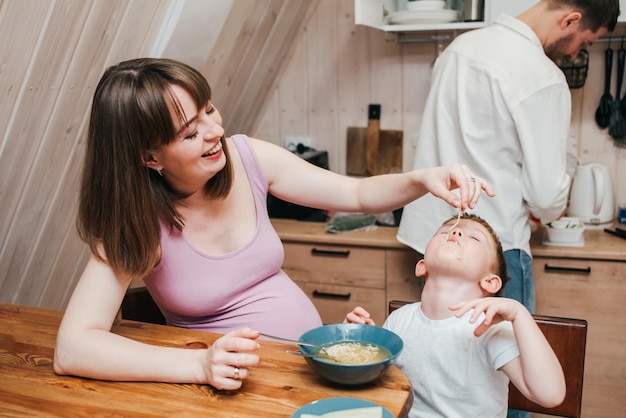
x=19, y=41
x=416, y=63
x=15, y=57
x=249, y=56
x=41, y=157
x=106, y=22
x=353, y=80
x=322, y=59
x=28, y=137
x=386, y=79
x=293, y=96
x=267, y=127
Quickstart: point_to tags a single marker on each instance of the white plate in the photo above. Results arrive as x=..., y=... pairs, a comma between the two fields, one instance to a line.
x=426, y=5
x=336, y=404
x=432, y=16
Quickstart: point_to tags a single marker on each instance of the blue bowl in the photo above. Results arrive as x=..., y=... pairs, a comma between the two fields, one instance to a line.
x=351, y=374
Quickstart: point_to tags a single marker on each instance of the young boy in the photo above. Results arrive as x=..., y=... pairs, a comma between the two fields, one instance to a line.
x=461, y=345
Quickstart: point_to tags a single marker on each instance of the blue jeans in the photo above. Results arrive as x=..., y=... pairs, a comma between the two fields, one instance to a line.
x=521, y=287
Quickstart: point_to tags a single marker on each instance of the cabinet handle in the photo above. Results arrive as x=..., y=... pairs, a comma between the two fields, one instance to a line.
x=586, y=270
x=332, y=253
x=318, y=294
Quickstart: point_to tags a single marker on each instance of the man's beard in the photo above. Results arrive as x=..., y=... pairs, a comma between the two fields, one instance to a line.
x=556, y=50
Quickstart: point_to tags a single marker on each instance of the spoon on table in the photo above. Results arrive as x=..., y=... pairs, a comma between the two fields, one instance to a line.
x=603, y=114
x=315, y=354
x=296, y=342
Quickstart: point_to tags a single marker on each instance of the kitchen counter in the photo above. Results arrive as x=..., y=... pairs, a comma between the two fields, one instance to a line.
x=315, y=233
x=598, y=244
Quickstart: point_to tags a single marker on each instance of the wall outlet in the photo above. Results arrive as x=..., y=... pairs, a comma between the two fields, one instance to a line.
x=291, y=142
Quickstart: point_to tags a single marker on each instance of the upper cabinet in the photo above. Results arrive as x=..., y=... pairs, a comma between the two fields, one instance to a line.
x=396, y=16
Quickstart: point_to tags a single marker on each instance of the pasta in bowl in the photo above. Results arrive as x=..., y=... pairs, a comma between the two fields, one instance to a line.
x=358, y=353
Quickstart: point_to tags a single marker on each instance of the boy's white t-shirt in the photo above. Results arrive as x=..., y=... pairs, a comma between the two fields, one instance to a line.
x=453, y=373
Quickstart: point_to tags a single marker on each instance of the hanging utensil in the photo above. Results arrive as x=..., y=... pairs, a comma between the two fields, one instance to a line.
x=603, y=113
x=623, y=100
x=617, y=123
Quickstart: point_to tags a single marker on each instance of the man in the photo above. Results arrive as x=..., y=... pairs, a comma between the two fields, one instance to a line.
x=500, y=104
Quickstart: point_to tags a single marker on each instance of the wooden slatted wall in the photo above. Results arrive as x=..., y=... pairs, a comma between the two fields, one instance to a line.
x=253, y=48
x=52, y=53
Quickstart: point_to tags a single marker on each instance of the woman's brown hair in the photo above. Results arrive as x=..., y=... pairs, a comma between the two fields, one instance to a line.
x=121, y=200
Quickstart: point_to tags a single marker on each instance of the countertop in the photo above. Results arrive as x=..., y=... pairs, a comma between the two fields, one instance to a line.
x=598, y=245
x=315, y=233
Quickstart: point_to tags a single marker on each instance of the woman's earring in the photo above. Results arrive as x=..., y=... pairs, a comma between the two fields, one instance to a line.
x=159, y=171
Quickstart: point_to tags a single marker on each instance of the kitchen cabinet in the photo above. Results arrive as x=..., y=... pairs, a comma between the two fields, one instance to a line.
x=374, y=13
x=590, y=283
x=341, y=271
x=338, y=278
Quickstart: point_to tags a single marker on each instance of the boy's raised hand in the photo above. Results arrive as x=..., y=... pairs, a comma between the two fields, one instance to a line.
x=358, y=316
x=495, y=309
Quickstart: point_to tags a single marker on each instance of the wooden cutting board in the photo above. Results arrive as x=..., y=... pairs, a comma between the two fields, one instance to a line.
x=389, y=152
x=372, y=151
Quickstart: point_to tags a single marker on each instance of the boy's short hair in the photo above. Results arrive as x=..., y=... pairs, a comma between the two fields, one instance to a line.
x=500, y=259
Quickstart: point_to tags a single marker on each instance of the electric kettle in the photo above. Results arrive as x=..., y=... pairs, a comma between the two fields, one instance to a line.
x=591, y=196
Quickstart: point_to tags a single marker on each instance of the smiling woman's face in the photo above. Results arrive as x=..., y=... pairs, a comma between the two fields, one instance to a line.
x=196, y=154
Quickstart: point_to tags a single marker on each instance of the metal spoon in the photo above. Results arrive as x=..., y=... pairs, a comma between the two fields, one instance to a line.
x=287, y=340
x=316, y=354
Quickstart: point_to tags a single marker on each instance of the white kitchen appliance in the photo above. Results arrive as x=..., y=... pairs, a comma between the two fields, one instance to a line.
x=591, y=197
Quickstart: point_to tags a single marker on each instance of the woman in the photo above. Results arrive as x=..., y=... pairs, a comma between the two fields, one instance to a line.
x=167, y=198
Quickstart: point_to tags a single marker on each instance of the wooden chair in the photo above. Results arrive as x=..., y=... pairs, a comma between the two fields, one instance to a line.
x=568, y=338
x=138, y=305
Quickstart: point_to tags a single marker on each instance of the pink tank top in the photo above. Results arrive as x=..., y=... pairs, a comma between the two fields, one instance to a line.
x=244, y=288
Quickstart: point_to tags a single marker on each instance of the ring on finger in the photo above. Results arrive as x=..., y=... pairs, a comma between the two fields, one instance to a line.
x=236, y=375
x=471, y=179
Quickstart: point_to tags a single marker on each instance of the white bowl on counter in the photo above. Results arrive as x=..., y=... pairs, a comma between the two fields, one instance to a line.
x=567, y=230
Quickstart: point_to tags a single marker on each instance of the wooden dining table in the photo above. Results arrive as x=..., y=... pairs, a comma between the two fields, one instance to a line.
x=278, y=386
